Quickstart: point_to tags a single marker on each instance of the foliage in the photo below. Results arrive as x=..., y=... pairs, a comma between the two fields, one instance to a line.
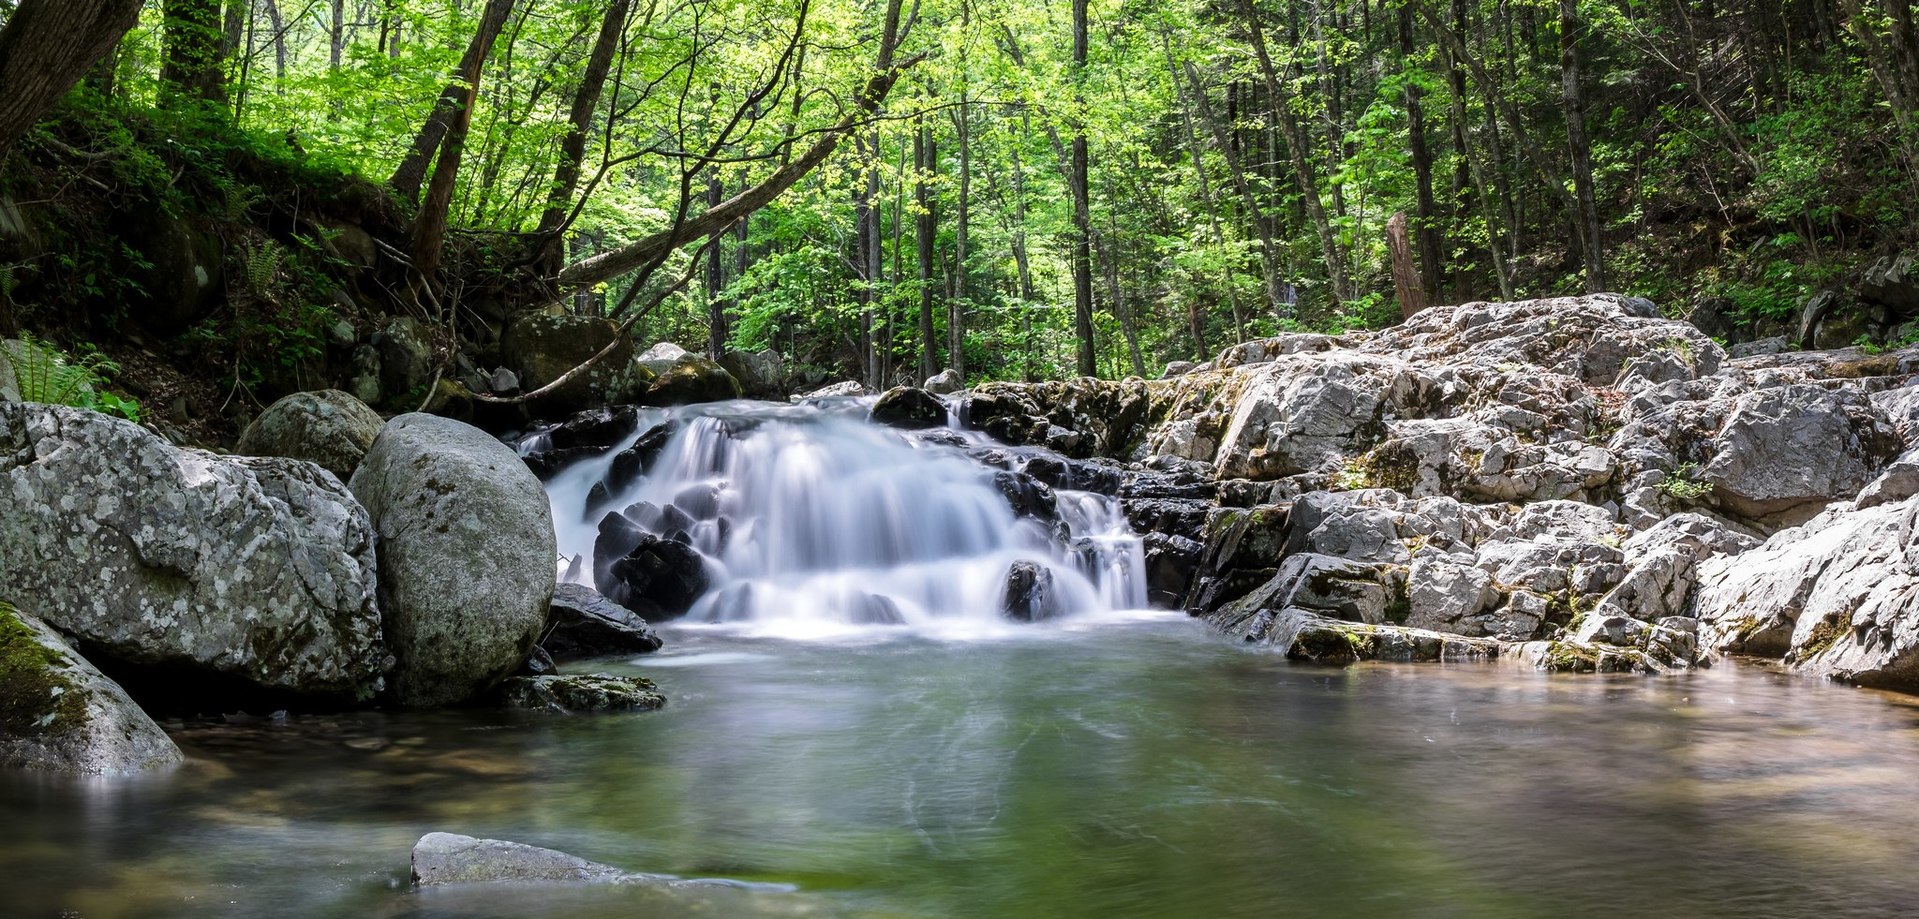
x=48, y=375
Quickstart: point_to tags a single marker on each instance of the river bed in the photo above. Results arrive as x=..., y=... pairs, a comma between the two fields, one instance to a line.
x=1115, y=766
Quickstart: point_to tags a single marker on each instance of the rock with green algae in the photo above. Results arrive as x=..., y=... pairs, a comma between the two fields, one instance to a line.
x=256, y=570
x=59, y=714
x=577, y=693
x=692, y=380
x=329, y=428
x=466, y=554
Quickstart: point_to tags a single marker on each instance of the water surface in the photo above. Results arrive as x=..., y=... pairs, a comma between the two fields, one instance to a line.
x=1117, y=767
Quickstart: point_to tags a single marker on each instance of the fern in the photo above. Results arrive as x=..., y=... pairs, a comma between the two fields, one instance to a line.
x=48, y=375
x=263, y=266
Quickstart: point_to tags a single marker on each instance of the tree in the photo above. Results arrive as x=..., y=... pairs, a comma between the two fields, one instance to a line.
x=46, y=46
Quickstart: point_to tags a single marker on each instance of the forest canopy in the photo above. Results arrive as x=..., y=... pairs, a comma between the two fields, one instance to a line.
x=1013, y=189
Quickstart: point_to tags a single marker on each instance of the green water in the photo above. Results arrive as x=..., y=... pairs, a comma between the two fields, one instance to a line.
x=1122, y=769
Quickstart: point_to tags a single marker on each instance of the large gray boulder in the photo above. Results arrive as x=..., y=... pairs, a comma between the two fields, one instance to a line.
x=1785, y=448
x=256, y=569
x=467, y=555
x=541, y=348
x=1838, y=596
x=59, y=714
x=329, y=428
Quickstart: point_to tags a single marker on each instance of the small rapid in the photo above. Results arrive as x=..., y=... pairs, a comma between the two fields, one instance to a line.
x=810, y=521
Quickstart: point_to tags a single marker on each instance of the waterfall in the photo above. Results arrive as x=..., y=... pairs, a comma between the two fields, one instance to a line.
x=809, y=521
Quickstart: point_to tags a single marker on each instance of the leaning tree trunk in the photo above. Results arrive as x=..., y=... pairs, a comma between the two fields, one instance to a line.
x=1573, y=98
x=566, y=175
x=46, y=47
x=457, y=96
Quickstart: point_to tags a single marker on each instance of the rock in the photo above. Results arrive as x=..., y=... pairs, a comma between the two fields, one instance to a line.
x=834, y=391
x=1177, y=369
x=59, y=714
x=1777, y=344
x=1308, y=637
x=582, y=623
x=585, y=435
x=363, y=375
x=1899, y=482
x=762, y=374
x=657, y=577
x=259, y=571
x=329, y=428
x=1029, y=594
x=540, y=348
x=1783, y=449
x=945, y=382
x=574, y=694
x=661, y=357
x=1838, y=596
x=1170, y=561
x=503, y=382
x=406, y=360
x=1242, y=551
x=447, y=858
x=1027, y=496
x=906, y=407
x=9, y=383
x=466, y=555
x=690, y=381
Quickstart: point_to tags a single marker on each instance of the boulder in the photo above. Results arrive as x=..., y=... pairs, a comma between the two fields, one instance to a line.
x=1029, y=594
x=762, y=374
x=550, y=449
x=257, y=571
x=466, y=555
x=582, y=623
x=1786, y=448
x=657, y=577
x=328, y=428
x=59, y=714
x=833, y=391
x=539, y=348
x=661, y=357
x=1837, y=596
x=363, y=374
x=579, y=694
x=448, y=858
x=945, y=382
x=690, y=381
x=906, y=407
x=405, y=354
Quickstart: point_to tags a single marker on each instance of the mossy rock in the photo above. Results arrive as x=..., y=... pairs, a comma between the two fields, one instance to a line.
x=59, y=714
x=577, y=694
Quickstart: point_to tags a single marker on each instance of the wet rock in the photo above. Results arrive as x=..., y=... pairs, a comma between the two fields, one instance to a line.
x=466, y=552
x=575, y=694
x=634, y=461
x=690, y=381
x=582, y=623
x=834, y=391
x=874, y=609
x=1170, y=562
x=583, y=436
x=329, y=428
x=540, y=348
x=1027, y=496
x=1309, y=637
x=656, y=577
x=257, y=571
x=906, y=407
x=59, y=714
x=1242, y=550
x=1029, y=594
x=447, y=858
x=1176, y=516
x=661, y=357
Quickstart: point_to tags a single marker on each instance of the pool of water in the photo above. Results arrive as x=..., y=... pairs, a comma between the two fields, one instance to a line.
x=1120, y=767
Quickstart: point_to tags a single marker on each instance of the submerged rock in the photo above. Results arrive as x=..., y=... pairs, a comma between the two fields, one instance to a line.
x=59, y=714
x=580, y=694
x=449, y=858
x=256, y=571
x=582, y=623
x=466, y=556
x=329, y=428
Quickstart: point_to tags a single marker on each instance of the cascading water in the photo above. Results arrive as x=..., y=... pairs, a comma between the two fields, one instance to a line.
x=810, y=521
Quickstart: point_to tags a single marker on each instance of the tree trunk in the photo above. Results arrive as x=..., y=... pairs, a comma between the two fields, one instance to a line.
x=925, y=225
x=1426, y=229
x=1082, y=207
x=455, y=98
x=46, y=47
x=1262, y=224
x=1406, y=284
x=1573, y=100
x=192, y=64
x=566, y=174
x=962, y=226
x=867, y=260
x=715, y=279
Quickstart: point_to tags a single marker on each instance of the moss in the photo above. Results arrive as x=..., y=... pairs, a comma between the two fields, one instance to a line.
x=1563, y=657
x=35, y=698
x=1824, y=635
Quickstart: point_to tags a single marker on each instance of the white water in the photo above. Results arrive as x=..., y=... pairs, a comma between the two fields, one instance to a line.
x=830, y=517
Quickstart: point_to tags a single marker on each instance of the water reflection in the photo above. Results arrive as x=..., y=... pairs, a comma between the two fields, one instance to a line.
x=1135, y=769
